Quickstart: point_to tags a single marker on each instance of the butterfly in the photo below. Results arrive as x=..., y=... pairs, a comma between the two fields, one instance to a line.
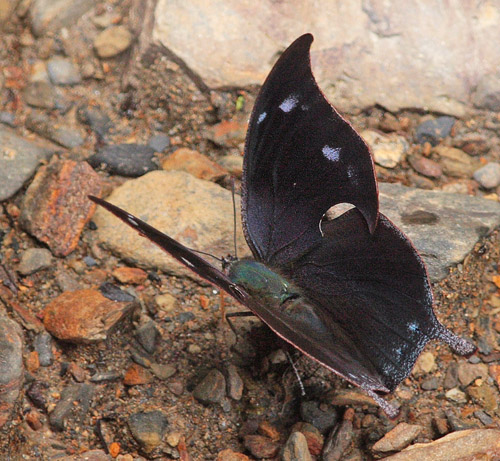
x=352, y=293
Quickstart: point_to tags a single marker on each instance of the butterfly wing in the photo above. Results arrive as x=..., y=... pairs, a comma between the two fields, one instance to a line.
x=374, y=287
x=301, y=158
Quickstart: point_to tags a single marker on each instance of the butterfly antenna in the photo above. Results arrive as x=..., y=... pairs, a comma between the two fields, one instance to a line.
x=206, y=254
x=234, y=218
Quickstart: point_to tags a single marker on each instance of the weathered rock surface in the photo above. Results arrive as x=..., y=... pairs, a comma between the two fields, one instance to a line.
x=443, y=227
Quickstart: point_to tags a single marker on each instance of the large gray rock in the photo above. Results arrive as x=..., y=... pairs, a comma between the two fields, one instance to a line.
x=443, y=227
x=197, y=213
x=19, y=159
x=429, y=55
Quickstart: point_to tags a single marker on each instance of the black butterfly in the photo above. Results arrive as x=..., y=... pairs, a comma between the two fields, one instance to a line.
x=352, y=293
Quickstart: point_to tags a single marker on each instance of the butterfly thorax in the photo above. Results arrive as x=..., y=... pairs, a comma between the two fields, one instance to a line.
x=258, y=280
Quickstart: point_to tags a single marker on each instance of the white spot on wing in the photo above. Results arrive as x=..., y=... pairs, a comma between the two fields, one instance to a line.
x=187, y=262
x=412, y=326
x=289, y=103
x=261, y=117
x=132, y=220
x=331, y=153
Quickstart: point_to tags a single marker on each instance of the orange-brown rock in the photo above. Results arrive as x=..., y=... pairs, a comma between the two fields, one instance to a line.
x=132, y=275
x=194, y=163
x=83, y=316
x=136, y=375
x=56, y=208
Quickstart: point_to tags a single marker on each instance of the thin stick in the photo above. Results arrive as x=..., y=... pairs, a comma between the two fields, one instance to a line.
x=234, y=218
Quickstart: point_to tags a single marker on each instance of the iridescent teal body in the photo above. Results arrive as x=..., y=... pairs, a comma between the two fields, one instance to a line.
x=260, y=281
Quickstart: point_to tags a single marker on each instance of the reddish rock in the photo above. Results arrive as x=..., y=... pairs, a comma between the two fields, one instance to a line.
x=56, y=208
x=32, y=362
x=268, y=430
x=136, y=375
x=260, y=446
x=194, y=163
x=83, y=316
x=313, y=437
x=495, y=373
x=132, y=275
x=425, y=166
x=397, y=438
x=230, y=455
x=33, y=419
x=228, y=133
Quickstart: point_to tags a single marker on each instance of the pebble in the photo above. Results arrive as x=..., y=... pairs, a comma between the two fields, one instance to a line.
x=451, y=377
x=339, y=439
x=430, y=384
x=90, y=261
x=59, y=133
x=388, y=150
x=77, y=372
x=33, y=419
x=234, y=383
x=484, y=395
x=55, y=208
x=197, y=213
x=34, y=260
x=32, y=362
x=62, y=71
x=397, y=438
x=466, y=444
x=425, y=166
x=194, y=163
x=321, y=416
x=42, y=95
x=162, y=371
x=112, y=41
x=147, y=336
x=260, y=446
x=233, y=164
x=18, y=161
x=36, y=393
x=8, y=118
x=105, y=376
x=295, y=448
x=349, y=397
x=469, y=372
x=131, y=160
x=441, y=425
x=11, y=365
x=194, y=349
x=212, y=389
x=484, y=417
x=230, y=133
x=159, y=142
x=230, y=455
x=95, y=118
x=148, y=428
x=488, y=176
x=314, y=438
x=432, y=131
x=66, y=407
x=132, y=275
x=166, y=303
x=456, y=395
x=136, y=375
x=110, y=291
x=424, y=364
x=472, y=143
x=456, y=162
x=43, y=346
x=83, y=316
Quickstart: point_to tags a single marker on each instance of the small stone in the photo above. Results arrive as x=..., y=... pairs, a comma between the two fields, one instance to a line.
x=469, y=372
x=59, y=133
x=295, y=448
x=260, y=446
x=112, y=41
x=425, y=166
x=339, y=439
x=349, y=397
x=96, y=119
x=66, y=408
x=388, y=150
x=451, y=376
x=148, y=428
x=36, y=393
x=456, y=162
x=456, y=395
x=488, y=176
x=78, y=373
x=194, y=349
x=323, y=417
x=233, y=164
x=494, y=371
x=159, y=142
x=398, y=438
x=83, y=316
x=162, y=371
x=110, y=291
x=8, y=118
x=313, y=437
x=229, y=133
x=485, y=395
x=147, y=336
x=430, y=384
x=32, y=362
x=90, y=261
x=136, y=375
x=230, y=455
x=33, y=419
x=441, y=425
x=486, y=94
x=43, y=346
x=484, y=417
x=472, y=143
x=194, y=163
x=432, y=131
x=41, y=94
x=166, y=302
x=234, y=383
x=267, y=429
x=470, y=444
x=212, y=389
x=55, y=207
x=62, y=71
x=11, y=365
x=176, y=387
x=424, y=364
x=34, y=260
x=456, y=424
x=173, y=438
x=124, y=159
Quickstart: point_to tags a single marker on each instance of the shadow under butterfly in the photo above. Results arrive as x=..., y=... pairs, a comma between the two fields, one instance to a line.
x=351, y=293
